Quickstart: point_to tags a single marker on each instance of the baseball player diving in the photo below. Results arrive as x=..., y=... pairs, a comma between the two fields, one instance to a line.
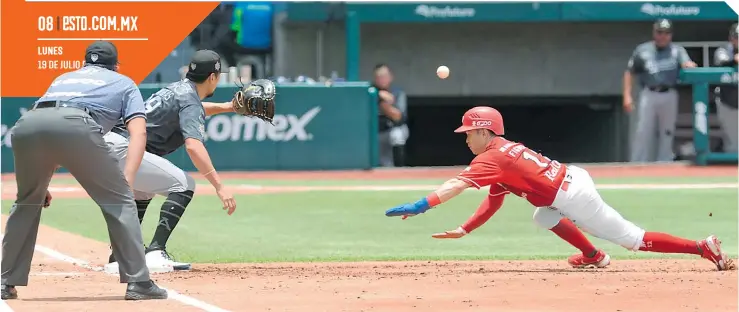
x=176, y=117
x=65, y=128
x=565, y=197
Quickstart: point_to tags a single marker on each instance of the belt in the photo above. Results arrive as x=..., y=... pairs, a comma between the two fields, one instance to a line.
x=50, y=104
x=660, y=89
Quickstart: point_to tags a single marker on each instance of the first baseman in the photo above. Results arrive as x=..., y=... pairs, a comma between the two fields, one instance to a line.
x=175, y=118
x=565, y=197
x=65, y=128
x=657, y=64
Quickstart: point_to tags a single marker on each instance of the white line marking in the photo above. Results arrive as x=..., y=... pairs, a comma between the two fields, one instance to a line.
x=92, y=39
x=81, y=263
x=4, y=307
x=378, y=188
x=192, y=301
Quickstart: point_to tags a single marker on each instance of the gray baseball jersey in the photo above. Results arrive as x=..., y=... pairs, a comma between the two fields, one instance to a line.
x=657, y=67
x=173, y=114
x=109, y=96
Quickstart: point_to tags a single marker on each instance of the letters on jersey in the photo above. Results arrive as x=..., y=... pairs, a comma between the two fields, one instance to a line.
x=511, y=167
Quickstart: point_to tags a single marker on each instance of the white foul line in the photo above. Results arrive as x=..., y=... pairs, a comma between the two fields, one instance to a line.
x=172, y=294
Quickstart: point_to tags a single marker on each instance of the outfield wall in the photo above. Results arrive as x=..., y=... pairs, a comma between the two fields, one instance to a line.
x=315, y=128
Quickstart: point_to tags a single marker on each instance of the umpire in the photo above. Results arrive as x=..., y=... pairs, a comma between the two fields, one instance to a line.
x=65, y=128
x=657, y=65
x=726, y=94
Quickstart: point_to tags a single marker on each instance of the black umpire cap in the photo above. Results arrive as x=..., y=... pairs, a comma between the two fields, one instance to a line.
x=663, y=25
x=102, y=53
x=204, y=63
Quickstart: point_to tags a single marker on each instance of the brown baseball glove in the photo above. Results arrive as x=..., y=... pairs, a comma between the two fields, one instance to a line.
x=257, y=99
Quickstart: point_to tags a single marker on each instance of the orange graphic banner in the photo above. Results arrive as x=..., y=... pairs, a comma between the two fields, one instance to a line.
x=41, y=40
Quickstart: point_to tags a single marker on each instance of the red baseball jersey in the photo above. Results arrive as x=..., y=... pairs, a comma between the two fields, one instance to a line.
x=511, y=167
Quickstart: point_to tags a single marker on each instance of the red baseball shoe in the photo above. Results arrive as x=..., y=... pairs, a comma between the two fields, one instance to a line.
x=711, y=250
x=580, y=261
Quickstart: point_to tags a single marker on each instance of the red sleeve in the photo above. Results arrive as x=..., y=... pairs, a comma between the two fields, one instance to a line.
x=487, y=209
x=481, y=173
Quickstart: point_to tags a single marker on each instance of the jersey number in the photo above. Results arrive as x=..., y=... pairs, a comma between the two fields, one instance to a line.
x=554, y=165
x=152, y=104
x=526, y=155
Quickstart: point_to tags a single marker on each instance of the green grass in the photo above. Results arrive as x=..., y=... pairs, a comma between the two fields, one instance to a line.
x=351, y=226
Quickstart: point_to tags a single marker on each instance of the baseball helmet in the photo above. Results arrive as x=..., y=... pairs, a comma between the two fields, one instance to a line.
x=482, y=117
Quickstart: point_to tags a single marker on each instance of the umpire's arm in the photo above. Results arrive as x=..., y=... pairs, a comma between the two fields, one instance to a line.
x=134, y=117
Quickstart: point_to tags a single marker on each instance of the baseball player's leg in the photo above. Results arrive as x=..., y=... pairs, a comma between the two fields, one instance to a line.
x=551, y=219
x=157, y=175
x=385, y=149
x=142, y=200
x=643, y=139
x=667, y=107
x=119, y=149
x=584, y=206
x=33, y=170
x=729, y=120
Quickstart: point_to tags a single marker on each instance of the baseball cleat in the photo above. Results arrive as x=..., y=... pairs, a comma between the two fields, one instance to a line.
x=711, y=250
x=144, y=291
x=580, y=261
x=8, y=292
x=162, y=258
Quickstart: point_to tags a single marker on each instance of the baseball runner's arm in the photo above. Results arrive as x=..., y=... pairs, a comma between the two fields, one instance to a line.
x=134, y=117
x=444, y=193
x=218, y=108
x=487, y=209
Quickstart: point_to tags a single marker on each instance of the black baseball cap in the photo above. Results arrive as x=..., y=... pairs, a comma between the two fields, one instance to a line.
x=204, y=63
x=101, y=53
x=663, y=24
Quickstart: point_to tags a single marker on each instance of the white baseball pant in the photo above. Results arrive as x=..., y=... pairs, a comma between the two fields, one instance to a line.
x=582, y=204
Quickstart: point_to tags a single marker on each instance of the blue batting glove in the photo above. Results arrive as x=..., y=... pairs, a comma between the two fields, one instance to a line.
x=409, y=209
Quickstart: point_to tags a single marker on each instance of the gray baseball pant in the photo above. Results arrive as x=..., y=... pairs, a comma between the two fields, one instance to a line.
x=156, y=175
x=656, y=122
x=729, y=120
x=388, y=139
x=41, y=140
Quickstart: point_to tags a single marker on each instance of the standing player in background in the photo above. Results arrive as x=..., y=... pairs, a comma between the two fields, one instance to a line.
x=726, y=99
x=564, y=195
x=65, y=128
x=657, y=64
x=176, y=117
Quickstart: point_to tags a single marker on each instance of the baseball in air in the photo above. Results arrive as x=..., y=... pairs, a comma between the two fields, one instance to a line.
x=442, y=72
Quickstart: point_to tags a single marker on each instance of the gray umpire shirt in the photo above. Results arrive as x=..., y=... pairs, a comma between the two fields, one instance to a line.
x=724, y=57
x=109, y=96
x=173, y=114
x=657, y=67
